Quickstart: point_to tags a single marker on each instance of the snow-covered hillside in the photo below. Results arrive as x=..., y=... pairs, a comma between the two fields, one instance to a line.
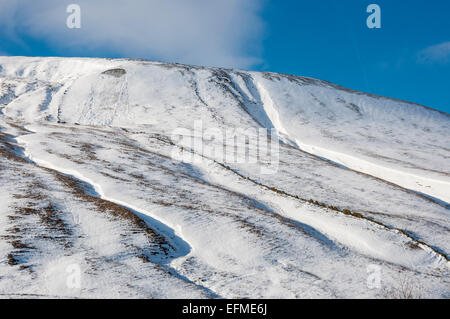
x=88, y=177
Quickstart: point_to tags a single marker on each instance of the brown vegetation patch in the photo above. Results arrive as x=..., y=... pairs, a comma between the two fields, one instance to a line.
x=12, y=260
x=89, y=151
x=7, y=149
x=17, y=244
x=113, y=209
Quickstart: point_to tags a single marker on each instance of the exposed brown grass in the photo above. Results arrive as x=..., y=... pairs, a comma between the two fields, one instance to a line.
x=112, y=209
x=7, y=148
x=12, y=260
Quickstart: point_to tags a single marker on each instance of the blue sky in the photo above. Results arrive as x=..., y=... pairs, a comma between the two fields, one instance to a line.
x=408, y=58
x=330, y=40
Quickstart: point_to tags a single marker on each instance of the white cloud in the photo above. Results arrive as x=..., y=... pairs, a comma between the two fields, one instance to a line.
x=205, y=32
x=439, y=53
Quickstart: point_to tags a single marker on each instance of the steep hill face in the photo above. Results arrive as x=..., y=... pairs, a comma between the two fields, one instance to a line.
x=357, y=180
x=400, y=142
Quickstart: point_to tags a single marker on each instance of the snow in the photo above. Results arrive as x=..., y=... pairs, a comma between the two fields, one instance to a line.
x=220, y=228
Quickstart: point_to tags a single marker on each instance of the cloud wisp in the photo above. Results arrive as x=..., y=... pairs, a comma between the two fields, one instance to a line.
x=439, y=53
x=204, y=32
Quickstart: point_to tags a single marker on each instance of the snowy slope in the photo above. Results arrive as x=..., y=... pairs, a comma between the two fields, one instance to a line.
x=400, y=142
x=360, y=180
